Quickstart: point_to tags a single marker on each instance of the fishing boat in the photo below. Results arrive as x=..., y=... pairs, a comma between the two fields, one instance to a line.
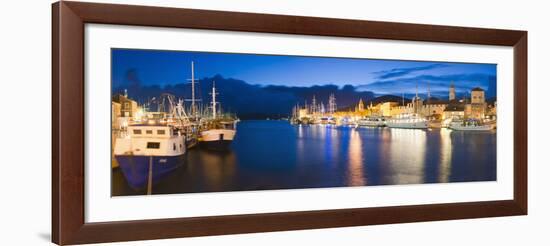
x=472, y=125
x=372, y=122
x=220, y=130
x=220, y=135
x=149, y=152
x=410, y=121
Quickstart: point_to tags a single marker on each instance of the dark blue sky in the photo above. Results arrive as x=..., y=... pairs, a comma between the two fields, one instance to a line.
x=379, y=76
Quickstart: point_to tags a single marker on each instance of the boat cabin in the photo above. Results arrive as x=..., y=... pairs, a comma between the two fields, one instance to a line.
x=152, y=131
x=151, y=140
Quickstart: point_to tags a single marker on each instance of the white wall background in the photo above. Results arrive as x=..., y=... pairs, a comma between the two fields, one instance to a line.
x=25, y=144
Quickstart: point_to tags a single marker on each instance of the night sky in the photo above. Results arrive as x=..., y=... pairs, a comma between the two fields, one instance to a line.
x=378, y=76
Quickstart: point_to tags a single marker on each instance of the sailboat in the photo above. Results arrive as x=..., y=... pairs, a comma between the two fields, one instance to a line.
x=220, y=130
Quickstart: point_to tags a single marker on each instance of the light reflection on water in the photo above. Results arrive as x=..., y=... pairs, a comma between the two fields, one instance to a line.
x=406, y=156
x=446, y=155
x=276, y=155
x=356, y=173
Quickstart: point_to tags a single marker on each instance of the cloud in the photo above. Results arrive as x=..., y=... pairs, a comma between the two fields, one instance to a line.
x=399, y=72
x=439, y=85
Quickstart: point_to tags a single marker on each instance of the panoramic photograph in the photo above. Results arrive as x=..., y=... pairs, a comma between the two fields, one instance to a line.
x=193, y=122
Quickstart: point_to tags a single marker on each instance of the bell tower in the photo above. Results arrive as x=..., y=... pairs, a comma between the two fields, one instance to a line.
x=452, y=94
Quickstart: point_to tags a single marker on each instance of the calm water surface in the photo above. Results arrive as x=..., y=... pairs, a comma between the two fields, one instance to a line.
x=276, y=155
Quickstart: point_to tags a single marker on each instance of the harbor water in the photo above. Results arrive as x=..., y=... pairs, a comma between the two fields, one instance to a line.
x=269, y=154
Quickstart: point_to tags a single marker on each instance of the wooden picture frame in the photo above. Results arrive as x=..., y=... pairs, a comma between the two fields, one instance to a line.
x=68, y=223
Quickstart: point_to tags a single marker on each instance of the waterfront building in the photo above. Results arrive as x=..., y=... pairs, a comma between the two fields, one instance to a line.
x=477, y=106
x=434, y=109
x=115, y=129
x=491, y=111
x=455, y=110
x=386, y=108
x=129, y=107
x=115, y=114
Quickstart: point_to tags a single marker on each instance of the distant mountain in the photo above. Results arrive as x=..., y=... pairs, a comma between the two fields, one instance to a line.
x=377, y=100
x=249, y=101
x=389, y=98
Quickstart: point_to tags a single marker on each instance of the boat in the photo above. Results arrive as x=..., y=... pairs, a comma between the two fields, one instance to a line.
x=220, y=134
x=191, y=136
x=220, y=130
x=410, y=121
x=327, y=120
x=372, y=122
x=149, y=152
x=472, y=125
x=346, y=121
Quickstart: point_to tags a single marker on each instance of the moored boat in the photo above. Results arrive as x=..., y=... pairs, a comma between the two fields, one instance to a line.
x=149, y=152
x=472, y=125
x=220, y=135
x=409, y=121
x=219, y=131
x=372, y=122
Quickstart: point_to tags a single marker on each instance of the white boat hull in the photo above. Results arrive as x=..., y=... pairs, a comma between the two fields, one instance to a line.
x=472, y=128
x=408, y=125
x=408, y=121
x=371, y=123
x=146, y=155
x=217, y=138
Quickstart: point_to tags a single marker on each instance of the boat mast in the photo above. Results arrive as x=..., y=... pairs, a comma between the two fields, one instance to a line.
x=193, y=81
x=331, y=104
x=193, y=109
x=214, y=103
x=314, y=105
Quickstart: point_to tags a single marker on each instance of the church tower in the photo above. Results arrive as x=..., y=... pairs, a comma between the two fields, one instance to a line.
x=452, y=94
x=360, y=105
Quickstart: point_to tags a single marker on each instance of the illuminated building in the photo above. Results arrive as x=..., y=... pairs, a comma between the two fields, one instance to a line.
x=477, y=106
x=129, y=107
